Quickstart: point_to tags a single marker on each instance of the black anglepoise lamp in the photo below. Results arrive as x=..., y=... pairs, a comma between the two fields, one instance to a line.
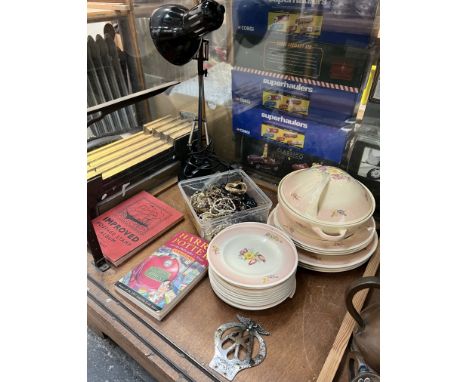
x=177, y=33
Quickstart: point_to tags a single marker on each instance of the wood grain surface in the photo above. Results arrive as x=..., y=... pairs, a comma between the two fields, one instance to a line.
x=303, y=329
x=98, y=14
x=108, y=5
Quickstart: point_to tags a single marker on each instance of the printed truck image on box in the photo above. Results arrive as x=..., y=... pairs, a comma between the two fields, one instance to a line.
x=261, y=162
x=334, y=22
x=303, y=99
x=320, y=140
x=295, y=23
x=287, y=137
x=275, y=159
x=285, y=102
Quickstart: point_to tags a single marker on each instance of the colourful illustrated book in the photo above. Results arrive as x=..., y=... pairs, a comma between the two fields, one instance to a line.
x=162, y=280
x=127, y=228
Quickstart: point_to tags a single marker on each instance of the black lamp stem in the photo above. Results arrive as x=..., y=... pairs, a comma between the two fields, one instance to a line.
x=201, y=93
x=200, y=99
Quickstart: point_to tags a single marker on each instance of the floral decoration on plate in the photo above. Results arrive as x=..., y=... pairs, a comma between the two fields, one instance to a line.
x=216, y=249
x=338, y=212
x=268, y=278
x=251, y=256
x=274, y=237
x=335, y=173
x=295, y=196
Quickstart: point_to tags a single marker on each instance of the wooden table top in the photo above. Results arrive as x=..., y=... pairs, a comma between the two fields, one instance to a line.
x=303, y=329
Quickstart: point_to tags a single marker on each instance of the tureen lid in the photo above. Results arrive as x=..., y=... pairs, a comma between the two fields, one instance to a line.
x=326, y=194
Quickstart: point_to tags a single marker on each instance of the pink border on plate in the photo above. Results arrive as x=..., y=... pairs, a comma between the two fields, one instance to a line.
x=289, y=250
x=331, y=248
x=346, y=260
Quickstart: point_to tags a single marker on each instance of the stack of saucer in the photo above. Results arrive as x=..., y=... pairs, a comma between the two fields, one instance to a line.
x=252, y=266
x=328, y=216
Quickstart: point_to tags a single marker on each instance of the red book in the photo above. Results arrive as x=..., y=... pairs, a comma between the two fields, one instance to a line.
x=127, y=228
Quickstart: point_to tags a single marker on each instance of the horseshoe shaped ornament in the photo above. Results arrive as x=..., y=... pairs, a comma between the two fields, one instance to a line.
x=228, y=366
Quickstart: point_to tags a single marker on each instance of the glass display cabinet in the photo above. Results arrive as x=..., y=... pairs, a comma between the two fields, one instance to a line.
x=287, y=85
x=286, y=81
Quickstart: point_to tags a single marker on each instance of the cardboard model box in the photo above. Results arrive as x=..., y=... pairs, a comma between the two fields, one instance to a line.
x=290, y=132
x=297, y=99
x=300, y=57
x=273, y=160
x=336, y=22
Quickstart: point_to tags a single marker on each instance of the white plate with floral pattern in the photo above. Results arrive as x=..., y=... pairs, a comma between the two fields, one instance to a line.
x=331, y=270
x=252, y=255
x=251, y=305
x=312, y=243
x=338, y=262
x=251, y=302
x=251, y=293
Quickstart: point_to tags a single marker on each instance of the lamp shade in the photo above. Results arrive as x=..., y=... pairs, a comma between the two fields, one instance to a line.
x=177, y=31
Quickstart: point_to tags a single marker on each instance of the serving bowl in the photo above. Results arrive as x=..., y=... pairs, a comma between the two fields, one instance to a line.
x=325, y=200
x=314, y=243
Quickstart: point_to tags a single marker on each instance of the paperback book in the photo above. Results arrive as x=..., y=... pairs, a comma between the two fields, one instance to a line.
x=158, y=283
x=128, y=227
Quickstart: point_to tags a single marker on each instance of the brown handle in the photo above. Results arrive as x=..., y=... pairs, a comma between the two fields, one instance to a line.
x=356, y=286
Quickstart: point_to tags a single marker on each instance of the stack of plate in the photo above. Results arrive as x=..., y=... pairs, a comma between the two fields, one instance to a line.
x=328, y=215
x=329, y=256
x=252, y=266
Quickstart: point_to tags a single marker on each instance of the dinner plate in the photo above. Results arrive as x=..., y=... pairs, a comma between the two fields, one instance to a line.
x=243, y=300
x=331, y=270
x=327, y=253
x=267, y=295
x=313, y=243
x=247, y=307
x=252, y=255
x=251, y=293
x=338, y=262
